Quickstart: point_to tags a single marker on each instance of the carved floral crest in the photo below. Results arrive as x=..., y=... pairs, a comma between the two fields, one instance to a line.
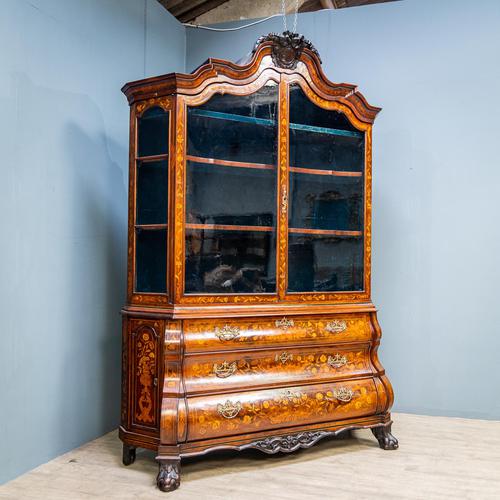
x=287, y=48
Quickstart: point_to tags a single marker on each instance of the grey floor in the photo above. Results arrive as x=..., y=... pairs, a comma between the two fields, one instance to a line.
x=438, y=458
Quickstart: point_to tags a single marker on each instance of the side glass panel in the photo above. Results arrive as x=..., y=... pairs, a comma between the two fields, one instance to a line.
x=327, y=160
x=231, y=194
x=151, y=202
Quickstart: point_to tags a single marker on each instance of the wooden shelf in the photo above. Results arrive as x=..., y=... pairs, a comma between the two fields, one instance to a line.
x=152, y=158
x=227, y=163
x=228, y=227
x=315, y=171
x=326, y=232
x=267, y=122
x=292, y=230
x=267, y=166
x=150, y=227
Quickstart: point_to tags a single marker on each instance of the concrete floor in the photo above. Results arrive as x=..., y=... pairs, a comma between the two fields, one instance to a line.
x=438, y=458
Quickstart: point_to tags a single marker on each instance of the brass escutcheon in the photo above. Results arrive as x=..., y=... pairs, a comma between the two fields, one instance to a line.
x=336, y=326
x=227, y=332
x=337, y=361
x=284, y=357
x=225, y=369
x=343, y=394
x=229, y=409
x=284, y=323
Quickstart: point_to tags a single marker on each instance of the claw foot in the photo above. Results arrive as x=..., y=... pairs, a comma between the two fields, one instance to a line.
x=384, y=437
x=169, y=477
x=128, y=455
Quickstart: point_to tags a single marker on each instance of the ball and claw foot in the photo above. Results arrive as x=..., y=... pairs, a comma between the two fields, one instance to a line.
x=384, y=437
x=169, y=477
x=128, y=456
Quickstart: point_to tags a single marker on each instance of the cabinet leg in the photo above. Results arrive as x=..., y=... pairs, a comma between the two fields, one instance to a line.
x=128, y=454
x=169, y=475
x=384, y=437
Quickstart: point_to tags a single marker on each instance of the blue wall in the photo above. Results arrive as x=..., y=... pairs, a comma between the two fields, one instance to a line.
x=63, y=198
x=434, y=68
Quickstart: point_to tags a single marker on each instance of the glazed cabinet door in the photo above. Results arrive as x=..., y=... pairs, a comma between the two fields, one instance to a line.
x=149, y=202
x=326, y=199
x=230, y=193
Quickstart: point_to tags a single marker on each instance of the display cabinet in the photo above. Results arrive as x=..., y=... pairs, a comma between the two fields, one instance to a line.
x=248, y=320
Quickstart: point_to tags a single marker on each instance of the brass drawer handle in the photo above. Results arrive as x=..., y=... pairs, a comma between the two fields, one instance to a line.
x=336, y=326
x=229, y=409
x=227, y=332
x=343, y=394
x=225, y=369
x=284, y=357
x=284, y=323
x=337, y=361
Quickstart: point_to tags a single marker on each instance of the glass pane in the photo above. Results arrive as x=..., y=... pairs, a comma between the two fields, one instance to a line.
x=322, y=139
x=152, y=192
x=152, y=132
x=240, y=128
x=324, y=264
x=215, y=195
x=231, y=194
x=151, y=260
x=220, y=261
x=326, y=199
x=326, y=202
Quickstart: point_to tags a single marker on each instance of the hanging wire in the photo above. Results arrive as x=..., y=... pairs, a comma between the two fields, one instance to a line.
x=283, y=14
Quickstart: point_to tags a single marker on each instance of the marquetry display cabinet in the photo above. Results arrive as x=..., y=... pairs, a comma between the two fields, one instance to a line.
x=248, y=321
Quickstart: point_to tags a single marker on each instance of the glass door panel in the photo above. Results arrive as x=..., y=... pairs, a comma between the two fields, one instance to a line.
x=151, y=201
x=325, y=245
x=231, y=194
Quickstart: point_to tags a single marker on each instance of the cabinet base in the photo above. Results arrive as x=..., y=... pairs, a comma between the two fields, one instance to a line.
x=169, y=473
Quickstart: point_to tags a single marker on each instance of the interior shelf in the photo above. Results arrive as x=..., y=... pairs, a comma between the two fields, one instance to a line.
x=150, y=227
x=268, y=122
x=295, y=230
x=227, y=163
x=326, y=232
x=316, y=171
x=227, y=227
x=265, y=166
x=152, y=158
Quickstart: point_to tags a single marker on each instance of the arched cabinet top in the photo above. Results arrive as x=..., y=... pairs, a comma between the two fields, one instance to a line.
x=273, y=55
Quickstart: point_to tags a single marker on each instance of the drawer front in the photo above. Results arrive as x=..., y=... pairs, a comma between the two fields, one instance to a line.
x=245, y=412
x=233, y=370
x=216, y=335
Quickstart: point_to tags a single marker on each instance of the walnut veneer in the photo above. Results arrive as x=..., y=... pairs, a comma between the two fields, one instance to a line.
x=287, y=360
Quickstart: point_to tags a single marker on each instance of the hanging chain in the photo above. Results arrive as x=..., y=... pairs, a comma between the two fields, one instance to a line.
x=283, y=12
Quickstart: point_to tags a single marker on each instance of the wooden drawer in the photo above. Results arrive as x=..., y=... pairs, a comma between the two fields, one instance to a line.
x=216, y=335
x=237, y=369
x=245, y=412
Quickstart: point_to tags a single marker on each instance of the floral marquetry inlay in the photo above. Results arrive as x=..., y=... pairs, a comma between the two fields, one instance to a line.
x=146, y=376
x=211, y=417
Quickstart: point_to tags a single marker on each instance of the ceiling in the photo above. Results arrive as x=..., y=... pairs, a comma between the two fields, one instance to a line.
x=214, y=11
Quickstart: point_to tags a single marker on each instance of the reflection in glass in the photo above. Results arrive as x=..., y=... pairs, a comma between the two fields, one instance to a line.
x=231, y=194
x=230, y=261
x=323, y=263
x=326, y=194
x=322, y=139
x=152, y=192
x=151, y=260
x=326, y=202
x=240, y=128
x=152, y=134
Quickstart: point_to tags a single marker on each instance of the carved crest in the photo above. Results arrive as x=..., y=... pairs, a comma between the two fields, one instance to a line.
x=287, y=48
